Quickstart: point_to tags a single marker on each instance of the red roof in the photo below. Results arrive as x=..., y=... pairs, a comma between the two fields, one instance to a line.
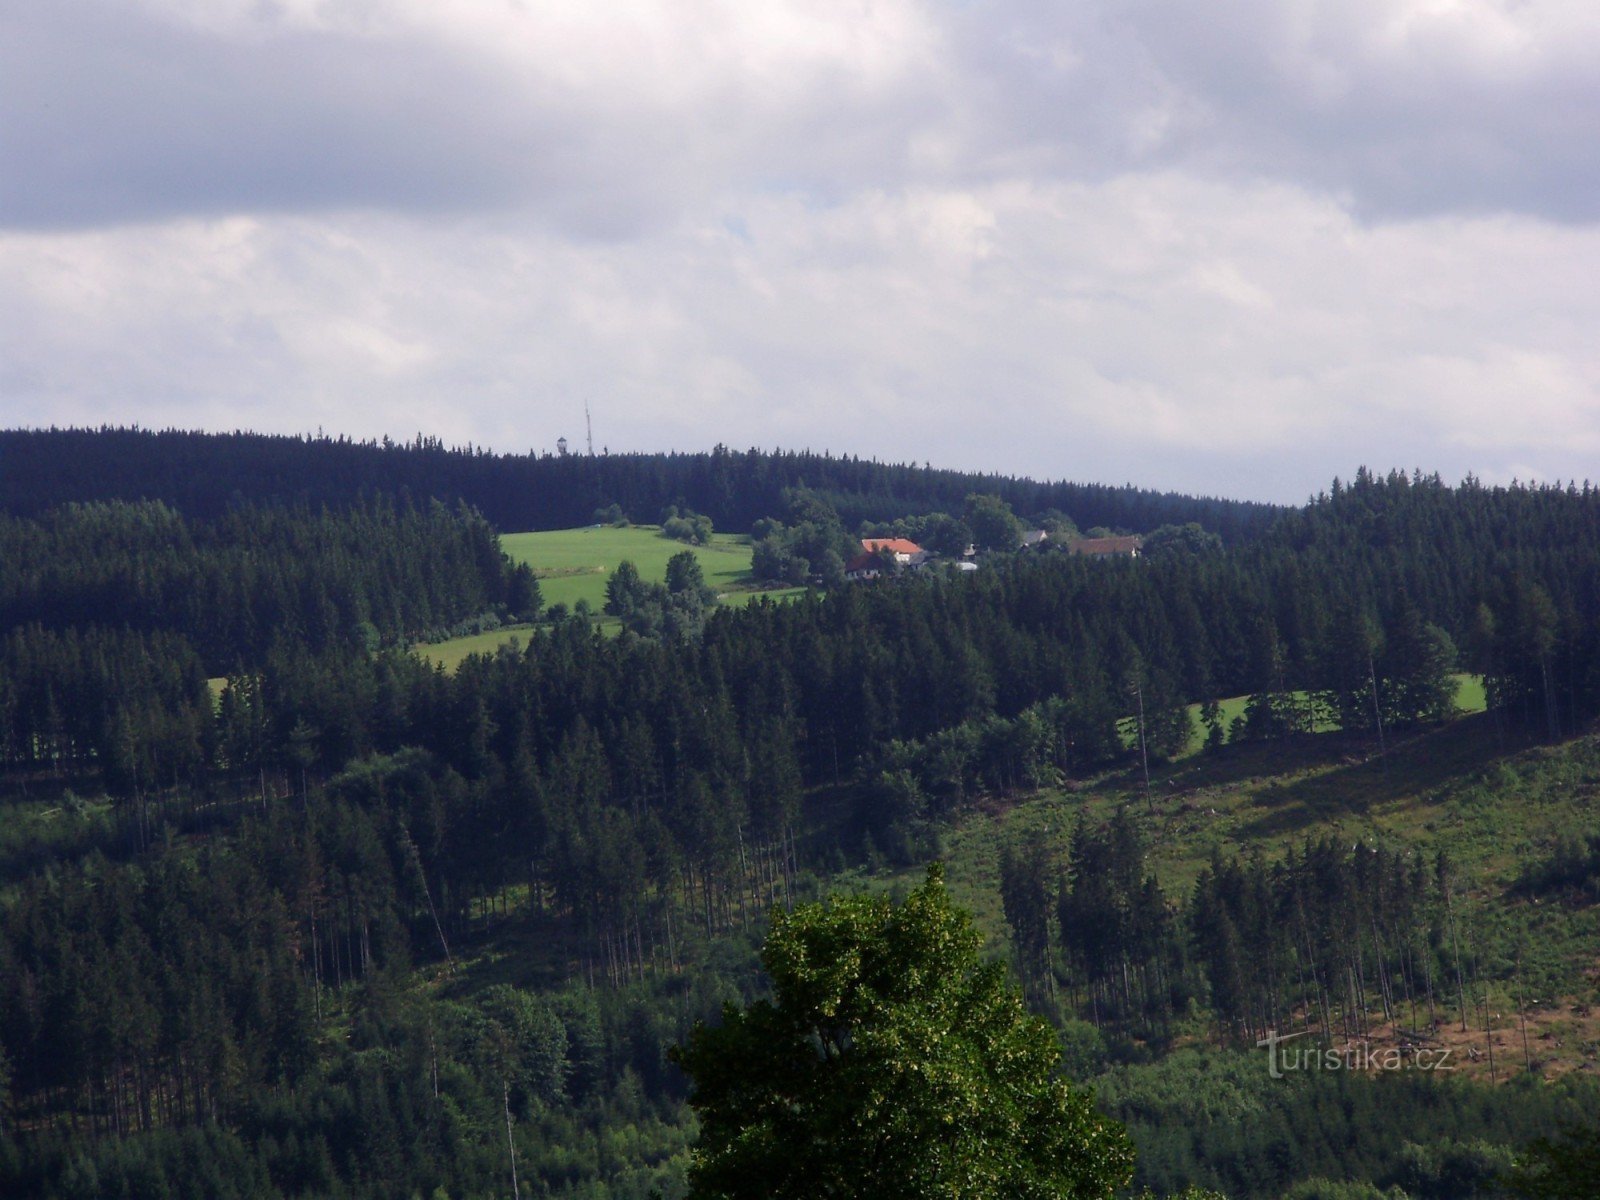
x=893, y=545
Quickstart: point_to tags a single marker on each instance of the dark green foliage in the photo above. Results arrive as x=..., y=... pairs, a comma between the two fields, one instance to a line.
x=235, y=585
x=1180, y=540
x=134, y=703
x=1349, y=669
x=153, y=997
x=1415, y=681
x=677, y=608
x=1057, y=524
x=519, y=1038
x=1220, y=1121
x=204, y=475
x=936, y=776
x=685, y=525
x=1118, y=936
x=406, y=1108
x=889, y=1063
x=1328, y=934
x=1571, y=870
x=625, y=590
x=1028, y=880
x=686, y=577
x=1564, y=1167
x=994, y=526
x=812, y=543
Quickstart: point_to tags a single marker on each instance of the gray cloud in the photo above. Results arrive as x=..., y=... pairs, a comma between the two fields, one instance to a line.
x=127, y=112
x=117, y=115
x=1408, y=109
x=1238, y=249
x=122, y=113
x=1476, y=109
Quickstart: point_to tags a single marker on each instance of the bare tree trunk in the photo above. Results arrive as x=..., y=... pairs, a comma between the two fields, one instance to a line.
x=1144, y=755
x=511, y=1146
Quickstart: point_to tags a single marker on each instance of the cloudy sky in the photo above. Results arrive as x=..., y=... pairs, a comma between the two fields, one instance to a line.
x=1236, y=247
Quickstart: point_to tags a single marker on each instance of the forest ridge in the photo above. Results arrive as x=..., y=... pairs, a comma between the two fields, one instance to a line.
x=322, y=920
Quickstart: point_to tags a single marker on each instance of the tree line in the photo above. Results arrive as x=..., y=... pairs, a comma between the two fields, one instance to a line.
x=617, y=777
x=116, y=614
x=1330, y=939
x=372, y=573
x=205, y=474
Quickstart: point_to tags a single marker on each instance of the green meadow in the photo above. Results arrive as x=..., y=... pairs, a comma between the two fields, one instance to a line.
x=1491, y=800
x=1469, y=699
x=450, y=654
x=574, y=564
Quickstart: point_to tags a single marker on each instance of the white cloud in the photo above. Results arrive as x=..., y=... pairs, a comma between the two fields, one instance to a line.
x=1151, y=327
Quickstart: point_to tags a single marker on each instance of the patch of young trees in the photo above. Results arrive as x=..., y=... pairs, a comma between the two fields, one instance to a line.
x=1331, y=939
x=685, y=525
x=810, y=543
x=677, y=607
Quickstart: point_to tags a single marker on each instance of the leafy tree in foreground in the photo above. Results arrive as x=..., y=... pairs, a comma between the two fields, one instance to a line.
x=890, y=1062
x=1562, y=1168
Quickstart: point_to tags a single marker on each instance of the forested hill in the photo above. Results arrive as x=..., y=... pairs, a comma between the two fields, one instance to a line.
x=204, y=474
x=374, y=572
x=1506, y=571
x=359, y=927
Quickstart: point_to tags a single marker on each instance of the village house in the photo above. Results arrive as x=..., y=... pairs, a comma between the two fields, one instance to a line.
x=870, y=562
x=906, y=552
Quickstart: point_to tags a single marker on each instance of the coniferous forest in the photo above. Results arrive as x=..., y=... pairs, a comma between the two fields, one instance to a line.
x=285, y=910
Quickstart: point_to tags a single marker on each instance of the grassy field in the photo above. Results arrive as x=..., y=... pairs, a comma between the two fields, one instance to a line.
x=449, y=654
x=1469, y=699
x=740, y=599
x=574, y=564
x=1491, y=803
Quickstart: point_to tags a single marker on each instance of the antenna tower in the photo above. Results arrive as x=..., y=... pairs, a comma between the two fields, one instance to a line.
x=588, y=425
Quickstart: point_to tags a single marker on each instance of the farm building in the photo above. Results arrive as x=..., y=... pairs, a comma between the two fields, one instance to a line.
x=877, y=553
x=906, y=552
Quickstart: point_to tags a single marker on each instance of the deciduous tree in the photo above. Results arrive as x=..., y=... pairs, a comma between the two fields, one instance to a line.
x=890, y=1062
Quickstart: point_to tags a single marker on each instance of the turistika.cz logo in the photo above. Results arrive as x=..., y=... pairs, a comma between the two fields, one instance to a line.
x=1353, y=1056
